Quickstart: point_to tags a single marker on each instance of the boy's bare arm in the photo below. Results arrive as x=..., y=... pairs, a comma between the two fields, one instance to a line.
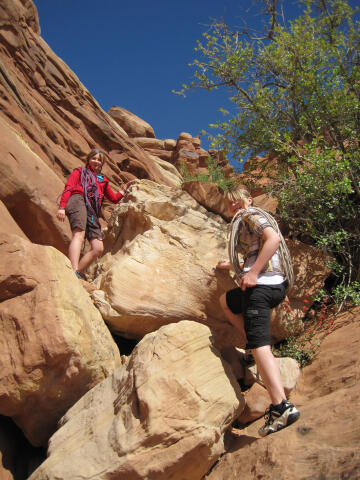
x=270, y=245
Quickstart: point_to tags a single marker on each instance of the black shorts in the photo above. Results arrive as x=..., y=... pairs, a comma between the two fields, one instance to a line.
x=255, y=304
x=79, y=217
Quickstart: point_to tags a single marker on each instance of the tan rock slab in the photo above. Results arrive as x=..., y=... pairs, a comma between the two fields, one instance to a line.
x=161, y=416
x=166, y=155
x=54, y=345
x=160, y=266
x=173, y=175
x=133, y=125
x=169, y=144
x=154, y=143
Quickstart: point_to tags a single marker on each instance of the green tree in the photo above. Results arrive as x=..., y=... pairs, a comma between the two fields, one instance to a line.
x=295, y=92
x=216, y=175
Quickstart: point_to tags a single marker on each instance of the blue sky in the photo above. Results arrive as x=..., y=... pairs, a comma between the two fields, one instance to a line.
x=132, y=54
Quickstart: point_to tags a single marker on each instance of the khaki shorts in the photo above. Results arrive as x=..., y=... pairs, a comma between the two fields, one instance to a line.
x=81, y=219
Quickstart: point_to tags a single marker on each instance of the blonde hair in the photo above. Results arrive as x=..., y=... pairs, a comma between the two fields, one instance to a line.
x=93, y=152
x=238, y=194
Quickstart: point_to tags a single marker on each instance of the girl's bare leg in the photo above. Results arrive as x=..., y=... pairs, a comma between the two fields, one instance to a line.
x=75, y=247
x=97, y=248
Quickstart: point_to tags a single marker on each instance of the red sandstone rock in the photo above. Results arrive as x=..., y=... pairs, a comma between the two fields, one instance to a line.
x=29, y=189
x=209, y=195
x=8, y=224
x=132, y=124
x=53, y=113
x=265, y=202
x=257, y=400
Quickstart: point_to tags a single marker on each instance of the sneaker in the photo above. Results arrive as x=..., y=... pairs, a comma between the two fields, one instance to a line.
x=80, y=275
x=279, y=417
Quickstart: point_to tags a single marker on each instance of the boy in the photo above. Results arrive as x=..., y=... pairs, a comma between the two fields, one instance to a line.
x=262, y=286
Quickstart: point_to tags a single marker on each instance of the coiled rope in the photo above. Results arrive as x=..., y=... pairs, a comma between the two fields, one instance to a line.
x=284, y=253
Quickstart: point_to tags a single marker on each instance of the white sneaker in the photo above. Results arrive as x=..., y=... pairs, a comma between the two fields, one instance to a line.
x=277, y=418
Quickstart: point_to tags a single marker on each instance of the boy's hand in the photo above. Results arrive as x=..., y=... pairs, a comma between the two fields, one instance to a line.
x=223, y=265
x=61, y=214
x=248, y=280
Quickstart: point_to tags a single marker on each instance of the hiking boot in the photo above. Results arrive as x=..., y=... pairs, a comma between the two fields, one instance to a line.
x=80, y=275
x=278, y=417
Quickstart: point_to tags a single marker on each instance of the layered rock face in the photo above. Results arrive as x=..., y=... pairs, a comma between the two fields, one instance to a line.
x=29, y=192
x=162, y=415
x=49, y=122
x=164, y=412
x=54, y=344
x=160, y=267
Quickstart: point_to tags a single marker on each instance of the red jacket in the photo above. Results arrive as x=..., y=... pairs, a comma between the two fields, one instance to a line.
x=73, y=185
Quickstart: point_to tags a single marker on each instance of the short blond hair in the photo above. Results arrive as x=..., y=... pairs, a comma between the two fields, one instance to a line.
x=238, y=194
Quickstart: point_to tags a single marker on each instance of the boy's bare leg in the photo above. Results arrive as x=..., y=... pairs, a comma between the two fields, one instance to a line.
x=270, y=373
x=75, y=247
x=97, y=248
x=236, y=320
x=282, y=412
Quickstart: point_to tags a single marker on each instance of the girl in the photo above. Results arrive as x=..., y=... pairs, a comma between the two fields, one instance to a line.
x=81, y=202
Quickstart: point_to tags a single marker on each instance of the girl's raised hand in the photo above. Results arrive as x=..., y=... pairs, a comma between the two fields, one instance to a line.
x=61, y=214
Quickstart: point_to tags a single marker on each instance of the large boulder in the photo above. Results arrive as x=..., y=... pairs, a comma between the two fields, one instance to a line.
x=169, y=171
x=54, y=345
x=131, y=123
x=209, y=195
x=162, y=415
x=163, y=247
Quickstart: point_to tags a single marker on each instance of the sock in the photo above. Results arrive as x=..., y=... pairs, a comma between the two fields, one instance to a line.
x=280, y=406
